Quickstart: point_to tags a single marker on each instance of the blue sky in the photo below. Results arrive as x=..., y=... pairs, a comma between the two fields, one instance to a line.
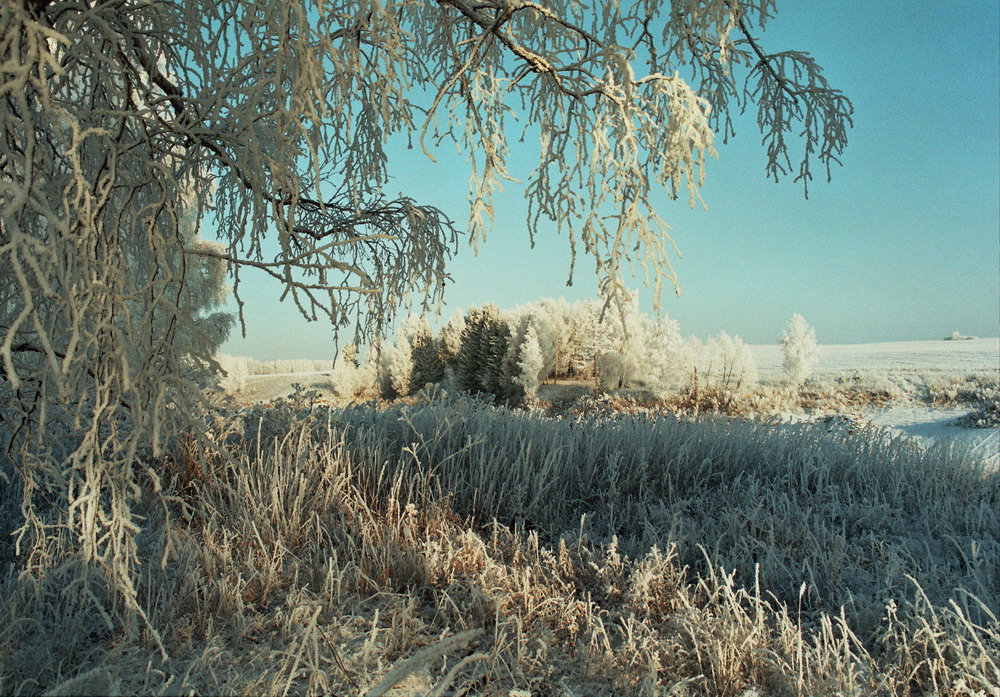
x=904, y=244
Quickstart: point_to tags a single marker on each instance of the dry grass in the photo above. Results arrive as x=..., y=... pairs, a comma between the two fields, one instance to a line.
x=455, y=549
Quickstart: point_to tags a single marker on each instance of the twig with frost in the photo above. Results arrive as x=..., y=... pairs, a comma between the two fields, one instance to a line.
x=423, y=658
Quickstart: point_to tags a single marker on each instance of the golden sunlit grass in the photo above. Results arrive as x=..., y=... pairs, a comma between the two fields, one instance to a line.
x=456, y=549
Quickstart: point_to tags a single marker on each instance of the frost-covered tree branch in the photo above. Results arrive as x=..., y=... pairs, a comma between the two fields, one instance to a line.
x=130, y=130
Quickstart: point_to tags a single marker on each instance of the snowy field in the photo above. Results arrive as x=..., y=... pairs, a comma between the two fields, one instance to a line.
x=972, y=355
x=937, y=425
x=929, y=426
x=261, y=388
x=926, y=424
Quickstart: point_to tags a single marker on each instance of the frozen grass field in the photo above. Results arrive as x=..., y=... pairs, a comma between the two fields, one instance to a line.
x=458, y=549
x=441, y=546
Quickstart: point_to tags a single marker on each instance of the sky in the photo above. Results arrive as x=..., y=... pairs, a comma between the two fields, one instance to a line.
x=903, y=244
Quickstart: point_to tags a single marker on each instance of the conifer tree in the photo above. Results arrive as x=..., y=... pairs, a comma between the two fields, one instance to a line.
x=450, y=340
x=495, y=378
x=470, y=354
x=427, y=365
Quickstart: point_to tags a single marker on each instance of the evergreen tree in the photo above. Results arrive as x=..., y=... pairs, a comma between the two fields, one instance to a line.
x=495, y=378
x=450, y=340
x=427, y=365
x=470, y=353
x=484, y=345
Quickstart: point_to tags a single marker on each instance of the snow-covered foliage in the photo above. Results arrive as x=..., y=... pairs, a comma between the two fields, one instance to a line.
x=531, y=365
x=411, y=360
x=348, y=356
x=666, y=361
x=592, y=339
x=558, y=317
x=395, y=367
x=235, y=371
x=450, y=339
x=351, y=379
x=532, y=316
x=726, y=364
x=799, y=348
x=612, y=369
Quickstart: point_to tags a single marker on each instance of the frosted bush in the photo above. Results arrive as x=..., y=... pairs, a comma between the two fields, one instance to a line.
x=235, y=370
x=349, y=381
x=612, y=369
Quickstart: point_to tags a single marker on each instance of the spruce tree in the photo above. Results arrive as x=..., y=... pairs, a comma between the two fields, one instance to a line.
x=427, y=365
x=469, y=360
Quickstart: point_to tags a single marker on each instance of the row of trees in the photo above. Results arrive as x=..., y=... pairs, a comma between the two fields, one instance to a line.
x=509, y=354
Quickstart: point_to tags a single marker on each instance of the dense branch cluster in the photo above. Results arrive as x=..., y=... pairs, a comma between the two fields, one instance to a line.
x=127, y=126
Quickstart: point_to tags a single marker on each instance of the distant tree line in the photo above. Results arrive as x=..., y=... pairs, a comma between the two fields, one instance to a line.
x=510, y=354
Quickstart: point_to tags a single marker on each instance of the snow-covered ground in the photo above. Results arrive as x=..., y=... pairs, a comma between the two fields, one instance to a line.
x=919, y=421
x=261, y=388
x=937, y=425
x=918, y=356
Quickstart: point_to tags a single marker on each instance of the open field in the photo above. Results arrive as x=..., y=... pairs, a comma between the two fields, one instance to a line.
x=901, y=356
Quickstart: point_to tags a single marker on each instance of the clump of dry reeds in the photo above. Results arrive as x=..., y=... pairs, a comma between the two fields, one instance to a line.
x=456, y=549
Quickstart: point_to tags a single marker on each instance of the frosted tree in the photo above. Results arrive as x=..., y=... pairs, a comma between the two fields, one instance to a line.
x=531, y=365
x=235, y=370
x=557, y=315
x=450, y=340
x=121, y=118
x=348, y=356
x=523, y=318
x=591, y=335
x=799, y=348
x=666, y=362
x=604, y=328
x=396, y=368
x=727, y=364
x=353, y=379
